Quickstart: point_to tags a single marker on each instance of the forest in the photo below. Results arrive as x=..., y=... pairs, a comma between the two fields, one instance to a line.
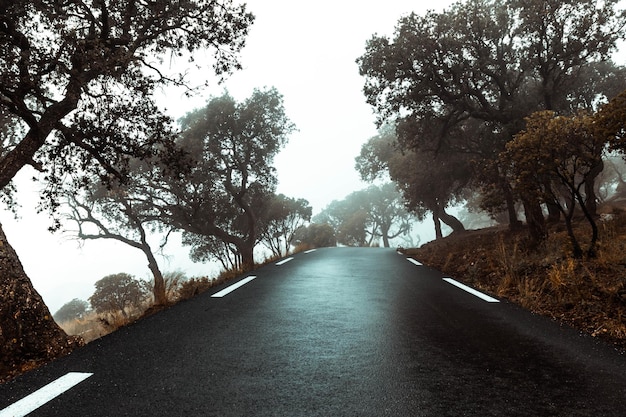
x=512, y=109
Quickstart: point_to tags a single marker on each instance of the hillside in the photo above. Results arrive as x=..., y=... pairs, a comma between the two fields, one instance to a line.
x=589, y=294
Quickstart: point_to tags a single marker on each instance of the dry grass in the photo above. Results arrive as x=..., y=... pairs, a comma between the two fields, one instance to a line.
x=589, y=294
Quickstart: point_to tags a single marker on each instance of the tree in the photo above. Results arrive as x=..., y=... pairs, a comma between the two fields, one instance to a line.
x=610, y=123
x=113, y=212
x=117, y=292
x=208, y=248
x=428, y=182
x=283, y=216
x=462, y=81
x=316, y=235
x=557, y=154
x=76, y=83
x=376, y=212
x=72, y=310
x=232, y=179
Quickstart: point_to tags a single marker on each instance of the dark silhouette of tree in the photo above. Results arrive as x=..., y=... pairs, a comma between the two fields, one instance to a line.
x=113, y=212
x=76, y=83
x=232, y=179
x=428, y=182
x=116, y=293
x=463, y=80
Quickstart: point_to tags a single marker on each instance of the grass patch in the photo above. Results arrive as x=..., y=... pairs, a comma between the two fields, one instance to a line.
x=589, y=294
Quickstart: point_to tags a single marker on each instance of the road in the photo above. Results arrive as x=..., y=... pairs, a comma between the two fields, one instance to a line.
x=336, y=332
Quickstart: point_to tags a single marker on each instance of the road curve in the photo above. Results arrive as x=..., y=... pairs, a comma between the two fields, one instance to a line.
x=335, y=332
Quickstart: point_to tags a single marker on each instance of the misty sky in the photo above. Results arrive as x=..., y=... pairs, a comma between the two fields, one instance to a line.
x=308, y=52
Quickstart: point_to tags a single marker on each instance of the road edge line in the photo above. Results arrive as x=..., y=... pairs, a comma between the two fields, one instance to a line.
x=44, y=394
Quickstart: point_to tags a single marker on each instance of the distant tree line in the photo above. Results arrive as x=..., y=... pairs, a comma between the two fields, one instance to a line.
x=517, y=102
x=368, y=217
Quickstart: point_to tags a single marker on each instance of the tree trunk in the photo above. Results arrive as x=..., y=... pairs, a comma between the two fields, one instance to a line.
x=247, y=257
x=535, y=221
x=451, y=221
x=438, y=233
x=554, y=213
x=160, y=297
x=28, y=334
x=590, y=191
x=514, y=222
x=384, y=231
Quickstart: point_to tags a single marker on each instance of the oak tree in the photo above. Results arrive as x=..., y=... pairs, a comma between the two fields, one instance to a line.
x=116, y=293
x=463, y=80
x=557, y=156
x=76, y=83
x=232, y=178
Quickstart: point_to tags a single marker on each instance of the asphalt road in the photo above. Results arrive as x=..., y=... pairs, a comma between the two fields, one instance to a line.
x=337, y=332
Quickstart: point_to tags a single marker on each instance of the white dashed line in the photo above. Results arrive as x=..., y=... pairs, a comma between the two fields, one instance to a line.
x=413, y=261
x=284, y=261
x=47, y=393
x=310, y=250
x=471, y=291
x=232, y=288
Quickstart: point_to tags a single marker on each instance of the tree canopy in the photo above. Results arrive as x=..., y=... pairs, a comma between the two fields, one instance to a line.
x=232, y=179
x=71, y=310
x=461, y=82
x=364, y=217
x=117, y=292
x=76, y=97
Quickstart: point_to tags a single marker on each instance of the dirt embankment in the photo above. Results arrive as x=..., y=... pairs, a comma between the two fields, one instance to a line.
x=588, y=294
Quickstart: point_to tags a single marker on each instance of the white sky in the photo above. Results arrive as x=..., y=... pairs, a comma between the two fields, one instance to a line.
x=307, y=50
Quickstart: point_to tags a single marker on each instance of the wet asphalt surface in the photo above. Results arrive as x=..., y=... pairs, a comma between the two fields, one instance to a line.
x=339, y=332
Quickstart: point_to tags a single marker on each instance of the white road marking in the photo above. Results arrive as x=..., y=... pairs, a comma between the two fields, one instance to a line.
x=310, y=250
x=47, y=393
x=413, y=261
x=284, y=261
x=471, y=291
x=232, y=288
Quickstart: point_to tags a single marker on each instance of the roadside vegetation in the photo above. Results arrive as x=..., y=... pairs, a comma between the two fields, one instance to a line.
x=588, y=294
x=513, y=109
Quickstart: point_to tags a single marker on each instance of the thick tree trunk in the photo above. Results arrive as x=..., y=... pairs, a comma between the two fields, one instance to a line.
x=535, y=221
x=28, y=334
x=160, y=298
x=591, y=201
x=384, y=230
x=514, y=222
x=554, y=213
x=454, y=223
x=247, y=257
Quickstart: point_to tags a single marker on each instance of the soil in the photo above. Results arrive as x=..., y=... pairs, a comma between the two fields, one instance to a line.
x=588, y=294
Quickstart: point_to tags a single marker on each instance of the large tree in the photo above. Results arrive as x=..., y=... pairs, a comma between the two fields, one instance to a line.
x=114, y=212
x=232, y=179
x=428, y=182
x=462, y=81
x=552, y=160
x=76, y=84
